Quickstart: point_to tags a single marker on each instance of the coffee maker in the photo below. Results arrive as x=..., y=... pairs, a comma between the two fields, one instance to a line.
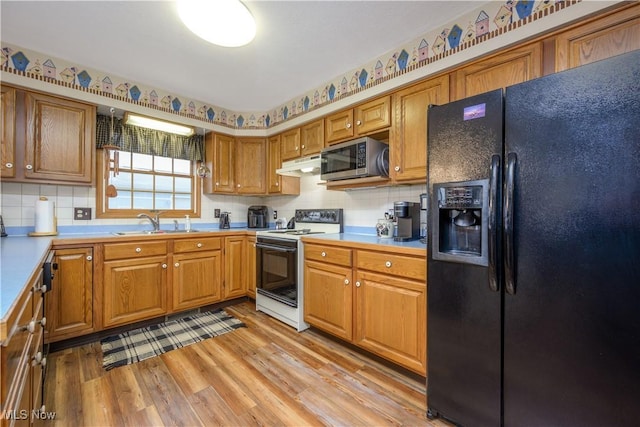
x=257, y=217
x=407, y=215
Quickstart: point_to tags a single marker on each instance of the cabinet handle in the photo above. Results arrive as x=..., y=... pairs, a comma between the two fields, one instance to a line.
x=43, y=321
x=217, y=183
x=297, y=148
x=346, y=281
x=8, y=165
x=138, y=250
x=177, y=264
x=397, y=169
x=37, y=359
x=348, y=126
x=198, y=245
x=323, y=253
x=28, y=167
x=238, y=185
x=43, y=289
x=43, y=362
x=358, y=284
x=164, y=265
x=387, y=264
x=29, y=327
x=277, y=184
x=89, y=257
x=302, y=146
x=358, y=122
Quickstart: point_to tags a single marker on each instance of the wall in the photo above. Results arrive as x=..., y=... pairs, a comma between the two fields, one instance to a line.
x=362, y=208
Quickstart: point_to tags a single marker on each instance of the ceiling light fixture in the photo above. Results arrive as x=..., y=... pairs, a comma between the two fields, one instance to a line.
x=151, y=123
x=226, y=23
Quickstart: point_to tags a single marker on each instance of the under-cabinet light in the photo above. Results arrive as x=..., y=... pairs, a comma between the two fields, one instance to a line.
x=151, y=123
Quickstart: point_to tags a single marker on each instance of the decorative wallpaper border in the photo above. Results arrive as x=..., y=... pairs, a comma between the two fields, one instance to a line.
x=490, y=20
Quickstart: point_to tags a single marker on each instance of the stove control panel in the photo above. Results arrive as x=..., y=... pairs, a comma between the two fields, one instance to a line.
x=324, y=216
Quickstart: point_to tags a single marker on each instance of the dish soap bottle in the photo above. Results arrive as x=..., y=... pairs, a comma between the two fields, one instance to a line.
x=187, y=223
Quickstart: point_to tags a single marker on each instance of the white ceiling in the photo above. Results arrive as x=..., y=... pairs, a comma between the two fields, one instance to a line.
x=299, y=46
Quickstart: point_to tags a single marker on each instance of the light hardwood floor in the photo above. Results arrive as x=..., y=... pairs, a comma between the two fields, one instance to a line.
x=265, y=374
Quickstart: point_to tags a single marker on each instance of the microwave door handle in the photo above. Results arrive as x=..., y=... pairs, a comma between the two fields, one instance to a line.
x=275, y=248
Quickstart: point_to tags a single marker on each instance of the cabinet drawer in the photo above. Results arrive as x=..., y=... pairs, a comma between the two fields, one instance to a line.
x=134, y=250
x=330, y=254
x=197, y=244
x=395, y=265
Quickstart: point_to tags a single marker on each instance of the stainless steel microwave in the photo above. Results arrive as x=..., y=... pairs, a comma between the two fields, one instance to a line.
x=358, y=158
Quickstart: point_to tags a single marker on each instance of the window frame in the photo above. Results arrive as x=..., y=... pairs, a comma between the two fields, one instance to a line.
x=101, y=199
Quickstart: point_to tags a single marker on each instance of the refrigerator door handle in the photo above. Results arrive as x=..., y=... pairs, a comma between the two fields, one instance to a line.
x=509, y=258
x=494, y=185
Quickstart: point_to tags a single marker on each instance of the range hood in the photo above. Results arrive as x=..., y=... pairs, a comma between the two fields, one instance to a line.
x=298, y=167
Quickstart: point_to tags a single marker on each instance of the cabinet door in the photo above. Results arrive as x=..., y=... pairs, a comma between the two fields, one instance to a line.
x=196, y=279
x=60, y=139
x=234, y=267
x=506, y=69
x=224, y=160
x=70, y=302
x=8, y=123
x=134, y=290
x=251, y=166
x=391, y=319
x=373, y=115
x=408, y=147
x=251, y=266
x=274, y=161
x=328, y=298
x=312, y=137
x=290, y=144
x=613, y=35
x=338, y=126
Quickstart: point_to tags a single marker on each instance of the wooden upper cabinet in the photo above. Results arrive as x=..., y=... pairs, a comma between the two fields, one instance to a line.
x=612, y=35
x=60, y=139
x=278, y=184
x=8, y=123
x=312, y=138
x=499, y=71
x=220, y=155
x=408, y=146
x=290, y=147
x=251, y=166
x=364, y=119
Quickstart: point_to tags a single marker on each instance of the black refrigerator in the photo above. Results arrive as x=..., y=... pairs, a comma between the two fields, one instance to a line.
x=534, y=252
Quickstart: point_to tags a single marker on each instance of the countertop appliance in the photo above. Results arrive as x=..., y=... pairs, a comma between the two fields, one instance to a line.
x=358, y=158
x=407, y=221
x=225, y=221
x=534, y=238
x=280, y=260
x=257, y=217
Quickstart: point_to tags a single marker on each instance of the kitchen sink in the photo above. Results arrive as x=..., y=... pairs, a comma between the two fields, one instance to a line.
x=151, y=232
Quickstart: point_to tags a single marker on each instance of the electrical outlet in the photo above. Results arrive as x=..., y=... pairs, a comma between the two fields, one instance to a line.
x=82, y=214
x=275, y=214
x=216, y=213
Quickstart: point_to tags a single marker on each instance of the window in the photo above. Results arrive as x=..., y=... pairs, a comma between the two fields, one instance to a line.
x=146, y=183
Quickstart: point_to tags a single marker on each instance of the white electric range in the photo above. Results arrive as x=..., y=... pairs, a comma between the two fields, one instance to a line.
x=280, y=261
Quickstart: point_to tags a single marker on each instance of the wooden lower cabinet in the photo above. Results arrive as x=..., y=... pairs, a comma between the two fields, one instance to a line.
x=377, y=302
x=196, y=272
x=234, y=267
x=251, y=266
x=69, y=305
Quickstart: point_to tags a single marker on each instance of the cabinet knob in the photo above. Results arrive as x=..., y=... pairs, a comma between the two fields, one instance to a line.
x=37, y=358
x=138, y=250
x=346, y=281
x=297, y=148
x=164, y=265
x=43, y=289
x=89, y=257
x=323, y=253
x=358, y=284
x=8, y=165
x=30, y=327
x=43, y=321
x=358, y=122
x=387, y=264
x=43, y=362
x=397, y=169
x=277, y=184
x=217, y=183
x=198, y=245
x=177, y=264
x=348, y=126
x=28, y=167
x=238, y=185
x=302, y=146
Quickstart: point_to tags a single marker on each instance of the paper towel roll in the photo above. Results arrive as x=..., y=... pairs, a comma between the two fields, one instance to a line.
x=45, y=222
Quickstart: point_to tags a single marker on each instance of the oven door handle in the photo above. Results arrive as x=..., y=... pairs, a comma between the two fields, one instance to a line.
x=275, y=248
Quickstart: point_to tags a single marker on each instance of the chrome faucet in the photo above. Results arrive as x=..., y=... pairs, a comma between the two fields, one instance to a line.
x=154, y=221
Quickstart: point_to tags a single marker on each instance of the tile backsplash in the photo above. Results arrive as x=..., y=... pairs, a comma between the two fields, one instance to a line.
x=362, y=208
